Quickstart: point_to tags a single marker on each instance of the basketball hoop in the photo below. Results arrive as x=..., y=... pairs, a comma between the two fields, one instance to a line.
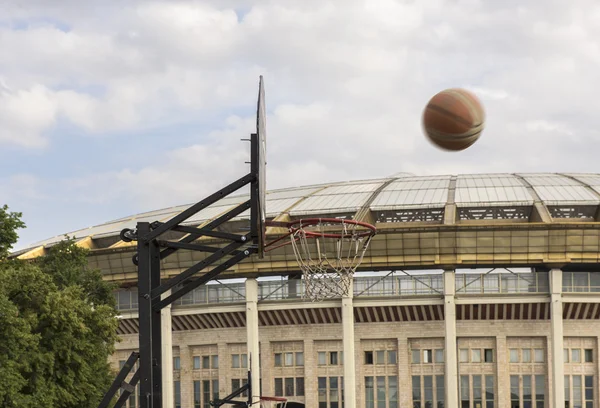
x=273, y=402
x=328, y=251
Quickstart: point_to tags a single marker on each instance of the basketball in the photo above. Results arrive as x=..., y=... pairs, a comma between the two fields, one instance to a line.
x=453, y=119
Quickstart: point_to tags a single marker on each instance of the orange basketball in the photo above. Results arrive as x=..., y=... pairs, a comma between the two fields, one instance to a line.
x=453, y=119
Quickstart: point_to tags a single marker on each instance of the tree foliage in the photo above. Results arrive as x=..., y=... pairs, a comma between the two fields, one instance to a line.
x=57, y=329
x=10, y=222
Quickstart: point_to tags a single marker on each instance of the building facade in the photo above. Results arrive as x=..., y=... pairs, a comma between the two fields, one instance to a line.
x=478, y=291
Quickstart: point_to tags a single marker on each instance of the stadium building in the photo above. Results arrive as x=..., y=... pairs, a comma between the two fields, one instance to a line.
x=478, y=291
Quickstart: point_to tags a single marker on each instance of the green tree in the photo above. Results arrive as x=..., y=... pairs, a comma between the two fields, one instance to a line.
x=57, y=329
x=10, y=222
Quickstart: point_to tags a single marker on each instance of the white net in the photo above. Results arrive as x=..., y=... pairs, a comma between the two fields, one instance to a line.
x=328, y=255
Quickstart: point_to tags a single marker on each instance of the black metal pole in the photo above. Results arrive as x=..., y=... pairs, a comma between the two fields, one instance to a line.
x=128, y=390
x=118, y=382
x=254, y=188
x=155, y=317
x=145, y=316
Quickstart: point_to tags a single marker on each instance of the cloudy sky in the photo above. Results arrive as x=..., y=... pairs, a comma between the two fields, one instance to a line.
x=108, y=110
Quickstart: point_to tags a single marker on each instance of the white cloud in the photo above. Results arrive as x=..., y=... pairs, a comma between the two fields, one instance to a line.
x=25, y=114
x=346, y=83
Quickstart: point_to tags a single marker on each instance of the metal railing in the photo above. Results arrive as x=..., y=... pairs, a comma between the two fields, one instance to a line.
x=372, y=286
x=502, y=283
x=218, y=293
x=408, y=285
x=581, y=282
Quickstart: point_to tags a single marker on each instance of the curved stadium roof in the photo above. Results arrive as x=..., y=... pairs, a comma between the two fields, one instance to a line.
x=400, y=199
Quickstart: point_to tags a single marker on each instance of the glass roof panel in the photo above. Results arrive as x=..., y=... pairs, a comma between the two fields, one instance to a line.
x=349, y=188
x=329, y=204
x=589, y=179
x=413, y=192
x=556, y=189
x=496, y=190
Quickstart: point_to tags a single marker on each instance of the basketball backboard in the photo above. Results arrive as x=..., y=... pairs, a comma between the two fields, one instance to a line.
x=261, y=131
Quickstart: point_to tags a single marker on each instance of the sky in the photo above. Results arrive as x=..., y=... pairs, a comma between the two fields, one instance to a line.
x=111, y=108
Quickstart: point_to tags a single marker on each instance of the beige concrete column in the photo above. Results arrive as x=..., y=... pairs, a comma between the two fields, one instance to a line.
x=404, y=371
x=310, y=374
x=167, y=355
x=557, y=391
x=502, y=372
x=451, y=361
x=252, y=337
x=185, y=376
x=266, y=364
x=348, y=344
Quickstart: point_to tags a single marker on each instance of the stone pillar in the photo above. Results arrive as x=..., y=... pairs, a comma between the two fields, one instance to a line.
x=348, y=344
x=502, y=372
x=404, y=371
x=185, y=376
x=310, y=374
x=252, y=337
x=557, y=391
x=451, y=360
x=167, y=355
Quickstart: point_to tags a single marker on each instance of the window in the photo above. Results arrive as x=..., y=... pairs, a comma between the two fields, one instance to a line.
x=392, y=357
x=540, y=391
x=333, y=358
x=196, y=363
x=237, y=383
x=514, y=391
x=206, y=394
x=527, y=390
x=197, y=396
x=439, y=355
x=589, y=391
x=239, y=361
x=439, y=394
x=579, y=391
x=588, y=355
x=177, y=394
x=381, y=392
x=488, y=355
x=214, y=361
x=465, y=396
x=331, y=392
x=427, y=356
x=489, y=391
x=176, y=363
x=279, y=387
x=206, y=362
x=428, y=391
x=477, y=391
x=476, y=356
x=477, y=395
x=289, y=359
x=300, y=386
x=464, y=355
x=380, y=357
x=299, y=359
x=289, y=387
x=514, y=355
x=575, y=355
x=565, y=355
x=278, y=360
x=322, y=356
x=526, y=355
x=538, y=355
x=416, y=356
